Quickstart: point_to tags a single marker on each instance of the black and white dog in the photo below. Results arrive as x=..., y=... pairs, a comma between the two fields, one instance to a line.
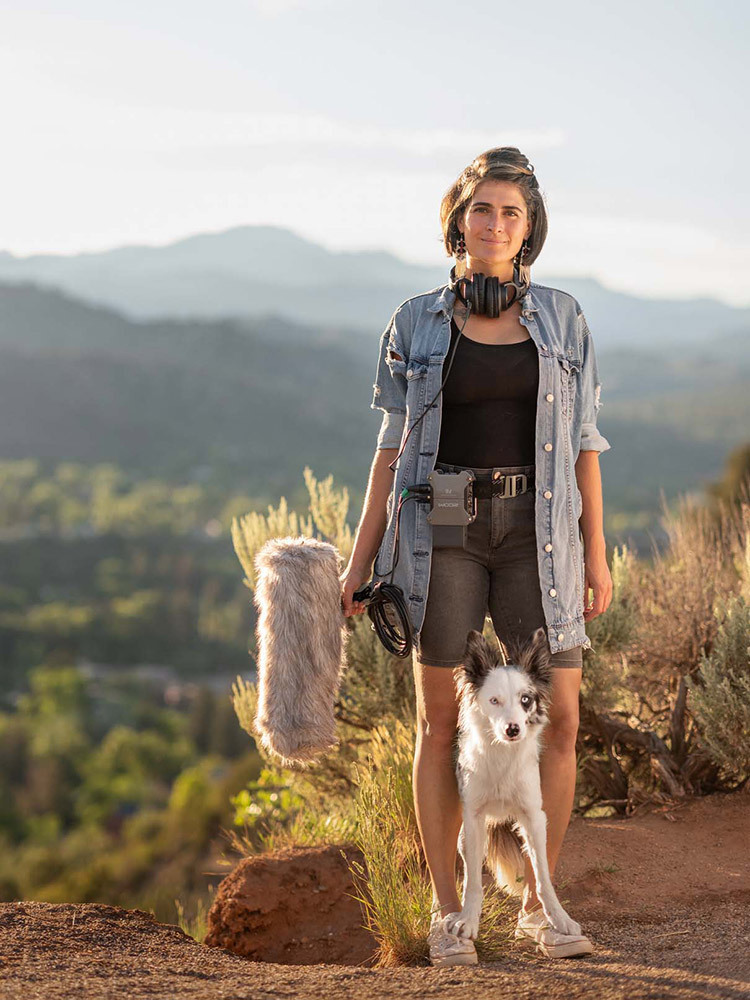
x=502, y=712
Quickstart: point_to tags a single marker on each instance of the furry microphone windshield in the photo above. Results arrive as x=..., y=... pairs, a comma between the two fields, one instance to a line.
x=301, y=647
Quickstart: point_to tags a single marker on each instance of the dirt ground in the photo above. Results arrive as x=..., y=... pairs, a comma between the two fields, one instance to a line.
x=663, y=896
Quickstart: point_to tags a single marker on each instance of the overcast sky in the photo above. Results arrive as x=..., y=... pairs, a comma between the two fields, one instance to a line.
x=143, y=122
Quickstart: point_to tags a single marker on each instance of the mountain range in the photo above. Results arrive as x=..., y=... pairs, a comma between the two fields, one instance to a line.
x=179, y=386
x=267, y=272
x=249, y=403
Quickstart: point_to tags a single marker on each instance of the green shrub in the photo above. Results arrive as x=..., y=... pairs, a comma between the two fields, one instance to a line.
x=196, y=925
x=720, y=695
x=604, y=680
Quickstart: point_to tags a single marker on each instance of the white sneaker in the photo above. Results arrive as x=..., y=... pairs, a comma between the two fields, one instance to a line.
x=449, y=949
x=534, y=926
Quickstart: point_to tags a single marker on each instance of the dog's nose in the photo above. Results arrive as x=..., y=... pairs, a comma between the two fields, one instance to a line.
x=512, y=730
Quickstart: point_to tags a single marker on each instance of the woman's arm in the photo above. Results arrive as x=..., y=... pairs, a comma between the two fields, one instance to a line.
x=371, y=528
x=389, y=396
x=591, y=521
x=588, y=476
x=374, y=519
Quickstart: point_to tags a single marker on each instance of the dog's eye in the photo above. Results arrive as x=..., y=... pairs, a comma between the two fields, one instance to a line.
x=494, y=701
x=526, y=700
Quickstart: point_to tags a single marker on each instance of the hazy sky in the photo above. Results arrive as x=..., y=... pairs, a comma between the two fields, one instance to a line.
x=148, y=121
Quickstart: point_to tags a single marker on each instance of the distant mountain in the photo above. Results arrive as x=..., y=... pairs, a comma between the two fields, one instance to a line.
x=250, y=403
x=249, y=271
x=82, y=383
x=268, y=271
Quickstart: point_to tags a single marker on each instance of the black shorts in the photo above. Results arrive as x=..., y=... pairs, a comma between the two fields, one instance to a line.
x=497, y=572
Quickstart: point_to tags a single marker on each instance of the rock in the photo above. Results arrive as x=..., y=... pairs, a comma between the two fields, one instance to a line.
x=293, y=907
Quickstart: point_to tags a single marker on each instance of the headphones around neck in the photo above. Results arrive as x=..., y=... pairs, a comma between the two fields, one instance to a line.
x=487, y=295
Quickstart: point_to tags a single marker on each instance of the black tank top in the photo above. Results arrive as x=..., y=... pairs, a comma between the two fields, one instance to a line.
x=489, y=404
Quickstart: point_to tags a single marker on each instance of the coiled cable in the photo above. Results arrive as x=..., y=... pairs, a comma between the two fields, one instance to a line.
x=386, y=607
x=385, y=601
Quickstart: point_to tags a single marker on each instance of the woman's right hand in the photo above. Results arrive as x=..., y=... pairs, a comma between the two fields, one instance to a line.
x=351, y=580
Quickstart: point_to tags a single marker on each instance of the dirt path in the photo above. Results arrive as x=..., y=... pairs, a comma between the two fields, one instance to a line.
x=658, y=863
x=664, y=900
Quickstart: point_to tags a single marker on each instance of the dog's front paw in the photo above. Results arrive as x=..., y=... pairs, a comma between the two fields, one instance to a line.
x=465, y=923
x=566, y=925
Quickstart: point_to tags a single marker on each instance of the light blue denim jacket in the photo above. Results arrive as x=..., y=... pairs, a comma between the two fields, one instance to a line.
x=567, y=405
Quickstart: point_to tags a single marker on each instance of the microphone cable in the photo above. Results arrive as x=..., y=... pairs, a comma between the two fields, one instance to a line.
x=427, y=408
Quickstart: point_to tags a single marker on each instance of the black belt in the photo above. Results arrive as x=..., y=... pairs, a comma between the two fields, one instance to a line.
x=506, y=485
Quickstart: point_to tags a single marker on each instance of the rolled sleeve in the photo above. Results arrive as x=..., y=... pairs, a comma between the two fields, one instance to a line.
x=391, y=430
x=591, y=390
x=389, y=388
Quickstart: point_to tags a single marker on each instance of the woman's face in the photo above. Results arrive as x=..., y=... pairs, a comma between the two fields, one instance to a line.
x=495, y=224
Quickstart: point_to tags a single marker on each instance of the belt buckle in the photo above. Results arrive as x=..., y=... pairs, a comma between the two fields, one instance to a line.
x=511, y=486
x=507, y=486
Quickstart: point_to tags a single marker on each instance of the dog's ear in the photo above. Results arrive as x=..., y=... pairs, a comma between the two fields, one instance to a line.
x=478, y=658
x=533, y=656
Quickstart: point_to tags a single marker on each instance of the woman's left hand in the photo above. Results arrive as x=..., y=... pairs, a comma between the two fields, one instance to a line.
x=599, y=580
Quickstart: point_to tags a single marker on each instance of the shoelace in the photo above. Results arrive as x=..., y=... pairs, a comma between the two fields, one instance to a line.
x=447, y=940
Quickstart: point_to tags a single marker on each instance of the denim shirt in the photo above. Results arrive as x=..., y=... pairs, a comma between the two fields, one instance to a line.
x=568, y=402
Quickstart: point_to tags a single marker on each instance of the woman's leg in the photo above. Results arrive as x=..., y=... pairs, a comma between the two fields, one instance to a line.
x=436, y=799
x=557, y=767
x=456, y=603
x=515, y=602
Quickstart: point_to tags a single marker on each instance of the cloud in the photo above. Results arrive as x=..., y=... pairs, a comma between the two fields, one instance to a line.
x=102, y=125
x=652, y=257
x=278, y=8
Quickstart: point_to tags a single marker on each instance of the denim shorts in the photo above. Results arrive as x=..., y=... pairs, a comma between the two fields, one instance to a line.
x=496, y=572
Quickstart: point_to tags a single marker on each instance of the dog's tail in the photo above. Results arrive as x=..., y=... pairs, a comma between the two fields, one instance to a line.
x=505, y=857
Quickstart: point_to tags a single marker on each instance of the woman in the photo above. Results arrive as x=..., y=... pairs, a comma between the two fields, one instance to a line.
x=519, y=408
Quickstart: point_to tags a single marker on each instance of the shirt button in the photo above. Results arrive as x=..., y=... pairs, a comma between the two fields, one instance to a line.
x=552, y=592
x=548, y=547
x=550, y=397
x=560, y=636
x=548, y=446
x=547, y=494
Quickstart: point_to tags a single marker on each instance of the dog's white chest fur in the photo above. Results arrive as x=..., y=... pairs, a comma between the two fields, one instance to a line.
x=498, y=779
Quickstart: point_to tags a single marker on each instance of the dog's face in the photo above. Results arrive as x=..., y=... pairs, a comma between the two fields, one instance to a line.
x=514, y=697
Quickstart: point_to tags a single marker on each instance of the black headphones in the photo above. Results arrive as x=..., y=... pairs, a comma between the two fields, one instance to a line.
x=488, y=295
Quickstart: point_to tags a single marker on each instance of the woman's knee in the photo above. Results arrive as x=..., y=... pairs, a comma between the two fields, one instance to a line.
x=437, y=721
x=561, y=732
x=437, y=705
x=438, y=729
x=562, y=729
